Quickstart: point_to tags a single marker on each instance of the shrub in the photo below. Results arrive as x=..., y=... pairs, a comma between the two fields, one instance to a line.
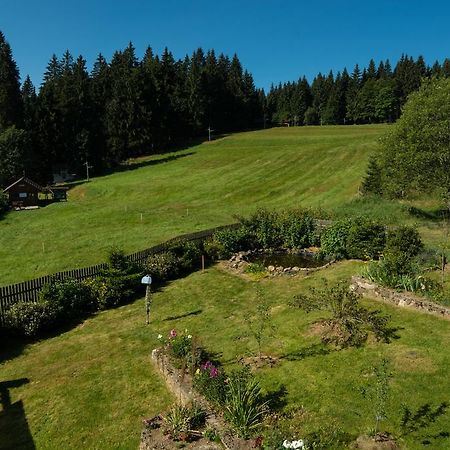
x=29, y=319
x=117, y=259
x=163, y=266
x=68, y=298
x=405, y=240
x=228, y=241
x=333, y=240
x=113, y=288
x=265, y=227
x=245, y=405
x=188, y=252
x=354, y=238
x=297, y=229
x=366, y=239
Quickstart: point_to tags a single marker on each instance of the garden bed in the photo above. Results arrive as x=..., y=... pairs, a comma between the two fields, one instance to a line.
x=179, y=382
x=403, y=299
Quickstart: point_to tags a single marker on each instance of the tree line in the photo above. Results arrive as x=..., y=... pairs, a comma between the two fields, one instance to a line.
x=372, y=95
x=123, y=108
x=128, y=106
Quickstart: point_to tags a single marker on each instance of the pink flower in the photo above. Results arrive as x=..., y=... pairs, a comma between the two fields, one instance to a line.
x=206, y=365
x=173, y=333
x=214, y=372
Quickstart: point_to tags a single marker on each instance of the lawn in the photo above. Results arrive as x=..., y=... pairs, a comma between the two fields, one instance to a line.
x=90, y=386
x=200, y=187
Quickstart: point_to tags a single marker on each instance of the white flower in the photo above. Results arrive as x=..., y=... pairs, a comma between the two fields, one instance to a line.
x=159, y=336
x=189, y=336
x=294, y=444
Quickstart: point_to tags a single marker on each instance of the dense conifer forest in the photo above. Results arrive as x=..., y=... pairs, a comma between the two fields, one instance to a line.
x=128, y=106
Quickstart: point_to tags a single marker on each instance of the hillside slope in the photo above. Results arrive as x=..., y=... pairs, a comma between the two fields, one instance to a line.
x=176, y=193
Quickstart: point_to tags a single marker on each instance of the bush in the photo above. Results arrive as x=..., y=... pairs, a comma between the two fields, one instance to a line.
x=297, y=229
x=113, y=288
x=189, y=254
x=163, y=266
x=29, y=319
x=228, y=241
x=181, y=421
x=265, y=227
x=68, y=299
x=405, y=240
x=358, y=238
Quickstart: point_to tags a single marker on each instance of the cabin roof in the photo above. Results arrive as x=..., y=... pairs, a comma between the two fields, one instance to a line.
x=27, y=181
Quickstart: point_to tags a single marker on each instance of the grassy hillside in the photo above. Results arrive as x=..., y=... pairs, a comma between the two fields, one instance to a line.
x=193, y=189
x=91, y=386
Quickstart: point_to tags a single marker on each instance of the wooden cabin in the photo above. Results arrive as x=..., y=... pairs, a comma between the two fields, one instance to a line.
x=24, y=192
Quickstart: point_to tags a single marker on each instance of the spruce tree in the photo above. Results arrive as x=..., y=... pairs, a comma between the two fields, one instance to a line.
x=11, y=107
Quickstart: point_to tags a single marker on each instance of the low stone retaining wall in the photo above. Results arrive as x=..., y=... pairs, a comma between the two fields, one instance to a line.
x=180, y=384
x=402, y=299
x=239, y=262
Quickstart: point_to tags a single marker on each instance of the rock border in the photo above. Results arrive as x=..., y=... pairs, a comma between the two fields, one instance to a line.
x=238, y=262
x=402, y=299
x=180, y=384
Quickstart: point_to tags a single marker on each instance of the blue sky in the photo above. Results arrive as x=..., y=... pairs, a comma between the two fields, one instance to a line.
x=275, y=40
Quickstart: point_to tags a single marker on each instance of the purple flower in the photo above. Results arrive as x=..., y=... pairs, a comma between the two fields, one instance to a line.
x=206, y=365
x=173, y=333
x=213, y=372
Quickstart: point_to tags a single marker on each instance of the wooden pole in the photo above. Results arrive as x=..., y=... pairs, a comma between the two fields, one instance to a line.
x=148, y=302
x=203, y=263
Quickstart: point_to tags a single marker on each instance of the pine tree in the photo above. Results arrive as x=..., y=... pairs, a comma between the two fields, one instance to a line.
x=372, y=181
x=11, y=107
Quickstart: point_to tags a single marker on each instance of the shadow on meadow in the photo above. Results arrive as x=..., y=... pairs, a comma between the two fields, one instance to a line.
x=14, y=430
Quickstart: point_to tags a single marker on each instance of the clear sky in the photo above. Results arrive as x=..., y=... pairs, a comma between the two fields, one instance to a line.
x=275, y=40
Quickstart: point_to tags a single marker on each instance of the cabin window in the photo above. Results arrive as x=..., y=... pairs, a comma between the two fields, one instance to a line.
x=23, y=195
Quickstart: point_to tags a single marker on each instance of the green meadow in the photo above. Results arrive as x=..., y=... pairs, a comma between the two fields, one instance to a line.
x=91, y=385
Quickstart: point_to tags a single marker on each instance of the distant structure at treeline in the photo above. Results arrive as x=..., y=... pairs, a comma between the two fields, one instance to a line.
x=129, y=107
x=372, y=95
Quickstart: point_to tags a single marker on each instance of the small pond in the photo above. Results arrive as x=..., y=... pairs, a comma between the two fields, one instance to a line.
x=286, y=260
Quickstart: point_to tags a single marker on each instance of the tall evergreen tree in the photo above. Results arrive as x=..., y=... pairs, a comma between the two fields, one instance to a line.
x=11, y=107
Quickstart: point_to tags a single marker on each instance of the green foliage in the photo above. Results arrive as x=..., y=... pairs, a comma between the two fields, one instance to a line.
x=404, y=240
x=371, y=184
x=14, y=145
x=297, y=228
x=210, y=382
x=358, y=238
x=30, y=319
x=228, y=241
x=69, y=299
x=350, y=322
x=181, y=421
x=117, y=259
x=311, y=116
x=377, y=391
x=163, y=266
x=415, y=154
x=3, y=202
x=245, y=404
x=260, y=324
x=327, y=437
x=264, y=226
x=188, y=252
x=255, y=268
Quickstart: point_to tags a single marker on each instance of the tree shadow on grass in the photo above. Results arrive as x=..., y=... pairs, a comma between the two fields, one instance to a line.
x=436, y=215
x=277, y=399
x=310, y=351
x=14, y=430
x=182, y=316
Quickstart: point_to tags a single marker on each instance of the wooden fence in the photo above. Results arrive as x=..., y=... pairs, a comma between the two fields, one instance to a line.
x=28, y=291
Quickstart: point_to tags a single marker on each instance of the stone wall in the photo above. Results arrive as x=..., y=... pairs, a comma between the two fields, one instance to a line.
x=402, y=299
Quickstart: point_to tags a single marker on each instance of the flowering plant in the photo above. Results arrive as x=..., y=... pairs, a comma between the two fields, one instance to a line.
x=294, y=444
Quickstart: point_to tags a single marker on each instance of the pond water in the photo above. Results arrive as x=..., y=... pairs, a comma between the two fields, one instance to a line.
x=286, y=260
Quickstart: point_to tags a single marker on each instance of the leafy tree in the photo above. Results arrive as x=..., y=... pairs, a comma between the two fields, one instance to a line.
x=415, y=154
